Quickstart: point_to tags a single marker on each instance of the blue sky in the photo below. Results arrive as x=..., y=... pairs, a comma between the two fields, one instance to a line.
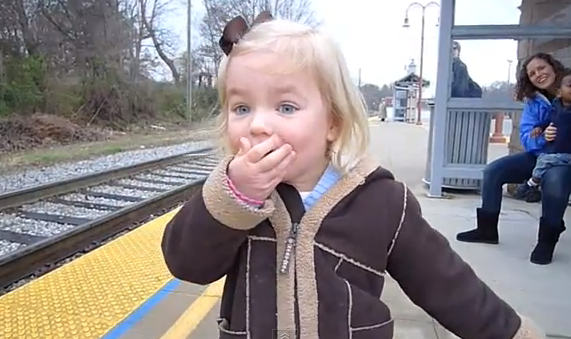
x=373, y=39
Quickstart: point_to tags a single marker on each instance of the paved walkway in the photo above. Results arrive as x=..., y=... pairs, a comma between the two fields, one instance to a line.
x=539, y=292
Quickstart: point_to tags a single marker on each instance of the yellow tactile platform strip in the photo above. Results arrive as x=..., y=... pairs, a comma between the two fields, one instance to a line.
x=90, y=295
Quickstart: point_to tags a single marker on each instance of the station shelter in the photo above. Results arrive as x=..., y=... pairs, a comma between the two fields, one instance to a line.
x=405, y=94
x=460, y=127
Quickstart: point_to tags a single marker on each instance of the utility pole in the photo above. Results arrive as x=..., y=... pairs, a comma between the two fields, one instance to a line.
x=189, y=67
x=1, y=68
x=509, y=70
x=359, y=78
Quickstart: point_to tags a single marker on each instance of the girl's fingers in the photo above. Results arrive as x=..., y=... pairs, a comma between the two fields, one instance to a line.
x=276, y=175
x=244, y=146
x=261, y=150
x=272, y=160
x=284, y=164
x=275, y=181
x=258, y=152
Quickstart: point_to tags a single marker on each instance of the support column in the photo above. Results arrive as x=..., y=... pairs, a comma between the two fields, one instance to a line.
x=498, y=137
x=443, y=80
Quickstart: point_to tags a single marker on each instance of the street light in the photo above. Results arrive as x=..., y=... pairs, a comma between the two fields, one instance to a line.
x=406, y=24
x=509, y=70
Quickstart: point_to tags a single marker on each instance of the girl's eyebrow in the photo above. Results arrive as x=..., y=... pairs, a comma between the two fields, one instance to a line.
x=286, y=89
x=281, y=89
x=289, y=89
x=236, y=91
x=275, y=91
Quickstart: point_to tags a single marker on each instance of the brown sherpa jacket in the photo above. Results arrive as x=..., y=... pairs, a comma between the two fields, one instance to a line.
x=363, y=227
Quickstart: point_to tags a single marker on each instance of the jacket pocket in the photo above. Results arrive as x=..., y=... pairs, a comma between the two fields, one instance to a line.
x=370, y=317
x=381, y=330
x=227, y=333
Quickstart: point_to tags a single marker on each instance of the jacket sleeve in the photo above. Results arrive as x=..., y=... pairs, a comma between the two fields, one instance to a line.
x=460, y=84
x=201, y=242
x=435, y=278
x=529, y=120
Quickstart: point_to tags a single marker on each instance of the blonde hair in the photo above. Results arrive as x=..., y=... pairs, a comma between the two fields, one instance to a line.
x=312, y=50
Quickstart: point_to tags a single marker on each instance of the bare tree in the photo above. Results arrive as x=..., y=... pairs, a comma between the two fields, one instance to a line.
x=219, y=12
x=162, y=39
x=97, y=60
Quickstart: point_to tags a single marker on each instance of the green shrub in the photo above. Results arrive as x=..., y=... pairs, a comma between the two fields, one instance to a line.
x=22, y=89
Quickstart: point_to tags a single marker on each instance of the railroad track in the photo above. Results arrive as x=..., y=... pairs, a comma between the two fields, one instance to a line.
x=42, y=225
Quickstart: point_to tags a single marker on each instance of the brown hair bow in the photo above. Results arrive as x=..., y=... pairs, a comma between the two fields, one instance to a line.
x=236, y=28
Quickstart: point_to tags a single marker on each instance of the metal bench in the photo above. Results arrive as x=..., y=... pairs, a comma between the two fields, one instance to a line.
x=467, y=136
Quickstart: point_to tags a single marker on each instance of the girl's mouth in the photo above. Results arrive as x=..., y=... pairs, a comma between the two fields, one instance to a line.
x=542, y=79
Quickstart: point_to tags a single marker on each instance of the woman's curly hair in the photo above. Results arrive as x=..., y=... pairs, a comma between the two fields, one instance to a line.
x=524, y=88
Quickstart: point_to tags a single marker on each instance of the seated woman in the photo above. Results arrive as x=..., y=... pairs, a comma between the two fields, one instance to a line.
x=536, y=88
x=558, y=152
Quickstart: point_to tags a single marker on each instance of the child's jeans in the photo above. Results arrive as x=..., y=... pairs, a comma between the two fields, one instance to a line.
x=547, y=160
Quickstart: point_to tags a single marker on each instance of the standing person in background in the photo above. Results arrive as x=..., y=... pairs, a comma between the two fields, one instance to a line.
x=383, y=110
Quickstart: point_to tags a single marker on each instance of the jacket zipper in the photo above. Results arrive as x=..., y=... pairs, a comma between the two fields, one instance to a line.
x=289, y=248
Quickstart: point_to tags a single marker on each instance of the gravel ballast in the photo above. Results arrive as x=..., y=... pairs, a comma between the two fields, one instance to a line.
x=41, y=175
x=8, y=246
x=15, y=223
x=31, y=222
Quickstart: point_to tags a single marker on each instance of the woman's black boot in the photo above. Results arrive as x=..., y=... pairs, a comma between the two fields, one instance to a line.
x=547, y=238
x=486, y=231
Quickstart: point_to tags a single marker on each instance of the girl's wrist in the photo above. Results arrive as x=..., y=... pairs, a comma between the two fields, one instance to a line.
x=240, y=196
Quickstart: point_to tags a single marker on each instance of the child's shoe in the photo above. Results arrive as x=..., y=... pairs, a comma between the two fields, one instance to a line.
x=522, y=191
x=533, y=195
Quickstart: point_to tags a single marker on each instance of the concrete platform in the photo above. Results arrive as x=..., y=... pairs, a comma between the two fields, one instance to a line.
x=161, y=318
x=539, y=292
x=89, y=296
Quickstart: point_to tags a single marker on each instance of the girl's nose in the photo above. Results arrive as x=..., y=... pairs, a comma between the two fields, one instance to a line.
x=261, y=123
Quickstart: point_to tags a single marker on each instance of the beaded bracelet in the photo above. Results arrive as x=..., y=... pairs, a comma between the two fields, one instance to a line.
x=241, y=196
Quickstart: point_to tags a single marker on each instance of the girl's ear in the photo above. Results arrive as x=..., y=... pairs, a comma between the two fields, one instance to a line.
x=334, y=129
x=559, y=92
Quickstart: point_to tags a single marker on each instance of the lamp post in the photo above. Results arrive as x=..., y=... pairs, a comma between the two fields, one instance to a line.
x=420, y=80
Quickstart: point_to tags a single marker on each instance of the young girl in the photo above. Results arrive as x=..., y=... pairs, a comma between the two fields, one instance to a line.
x=301, y=222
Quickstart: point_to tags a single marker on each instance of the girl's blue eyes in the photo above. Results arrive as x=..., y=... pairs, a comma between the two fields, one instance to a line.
x=242, y=110
x=287, y=109
x=284, y=109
